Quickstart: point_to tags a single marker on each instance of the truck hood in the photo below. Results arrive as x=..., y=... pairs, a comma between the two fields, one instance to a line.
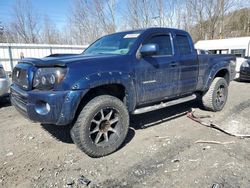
x=62, y=60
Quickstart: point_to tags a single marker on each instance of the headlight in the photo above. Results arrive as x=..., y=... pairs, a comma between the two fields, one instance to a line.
x=2, y=73
x=245, y=64
x=47, y=78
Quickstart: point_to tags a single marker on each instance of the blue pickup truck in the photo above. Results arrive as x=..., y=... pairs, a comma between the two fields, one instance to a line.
x=124, y=73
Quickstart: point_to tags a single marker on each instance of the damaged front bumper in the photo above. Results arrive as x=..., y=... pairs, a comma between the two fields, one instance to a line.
x=47, y=107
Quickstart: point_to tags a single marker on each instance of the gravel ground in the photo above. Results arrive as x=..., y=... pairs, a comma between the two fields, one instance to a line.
x=160, y=150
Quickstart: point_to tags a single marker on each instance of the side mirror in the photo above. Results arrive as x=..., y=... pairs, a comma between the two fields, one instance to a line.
x=149, y=49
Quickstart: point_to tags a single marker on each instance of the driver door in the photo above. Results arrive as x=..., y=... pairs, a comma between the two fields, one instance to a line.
x=157, y=75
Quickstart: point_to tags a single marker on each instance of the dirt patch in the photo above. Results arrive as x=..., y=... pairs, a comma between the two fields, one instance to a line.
x=160, y=151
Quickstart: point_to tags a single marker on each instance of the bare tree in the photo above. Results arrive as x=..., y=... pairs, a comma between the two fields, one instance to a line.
x=25, y=22
x=212, y=10
x=140, y=14
x=195, y=15
x=80, y=22
x=133, y=15
x=170, y=12
x=237, y=23
x=50, y=34
x=2, y=38
x=146, y=13
x=104, y=13
x=91, y=19
x=205, y=18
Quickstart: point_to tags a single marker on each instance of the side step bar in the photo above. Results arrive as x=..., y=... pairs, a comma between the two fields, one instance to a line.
x=163, y=105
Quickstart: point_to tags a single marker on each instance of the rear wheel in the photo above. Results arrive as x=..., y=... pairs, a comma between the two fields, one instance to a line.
x=101, y=127
x=216, y=97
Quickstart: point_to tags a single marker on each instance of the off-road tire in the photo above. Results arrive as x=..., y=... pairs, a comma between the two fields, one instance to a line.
x=83, y=133
x=210, y=98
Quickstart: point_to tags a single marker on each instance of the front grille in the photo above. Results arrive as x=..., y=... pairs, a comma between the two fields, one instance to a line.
x=20, y=77
x=19, y=100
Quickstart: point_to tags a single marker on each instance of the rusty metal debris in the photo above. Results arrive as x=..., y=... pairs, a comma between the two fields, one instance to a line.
x=212, y=142
x=217, y=185
x=210, y=124
x=84, y=181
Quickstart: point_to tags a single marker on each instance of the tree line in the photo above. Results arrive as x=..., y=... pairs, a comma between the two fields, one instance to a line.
x=87, y=20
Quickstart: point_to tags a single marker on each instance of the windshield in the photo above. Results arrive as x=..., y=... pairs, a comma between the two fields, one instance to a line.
x=119, y=43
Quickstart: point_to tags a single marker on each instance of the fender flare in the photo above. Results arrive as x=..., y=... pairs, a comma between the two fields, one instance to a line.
x=105, y=78
x=214, y=71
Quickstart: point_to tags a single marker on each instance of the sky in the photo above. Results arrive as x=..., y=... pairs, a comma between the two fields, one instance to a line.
x=57, y=10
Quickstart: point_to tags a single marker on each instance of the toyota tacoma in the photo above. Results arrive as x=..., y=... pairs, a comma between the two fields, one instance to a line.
x=124, y=73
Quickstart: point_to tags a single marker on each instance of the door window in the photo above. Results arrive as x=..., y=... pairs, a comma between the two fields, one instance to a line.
x=164, y=43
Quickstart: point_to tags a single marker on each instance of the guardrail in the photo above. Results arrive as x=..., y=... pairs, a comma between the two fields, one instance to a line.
x=10, y=53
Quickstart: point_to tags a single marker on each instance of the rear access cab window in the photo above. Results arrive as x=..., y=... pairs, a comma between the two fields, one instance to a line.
x=183, y=44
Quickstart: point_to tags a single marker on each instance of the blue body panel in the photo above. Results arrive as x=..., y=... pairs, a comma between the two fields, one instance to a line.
x=63, y=104
x=145, y=79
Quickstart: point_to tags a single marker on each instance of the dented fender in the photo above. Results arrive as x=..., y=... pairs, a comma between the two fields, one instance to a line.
x=214, y=70
x=94, y=80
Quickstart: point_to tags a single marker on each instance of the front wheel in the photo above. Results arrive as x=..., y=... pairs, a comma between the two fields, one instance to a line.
x=101, y=127
x=216, y=97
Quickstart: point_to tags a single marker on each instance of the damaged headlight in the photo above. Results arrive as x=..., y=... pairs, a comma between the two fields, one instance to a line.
x=47, y=78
